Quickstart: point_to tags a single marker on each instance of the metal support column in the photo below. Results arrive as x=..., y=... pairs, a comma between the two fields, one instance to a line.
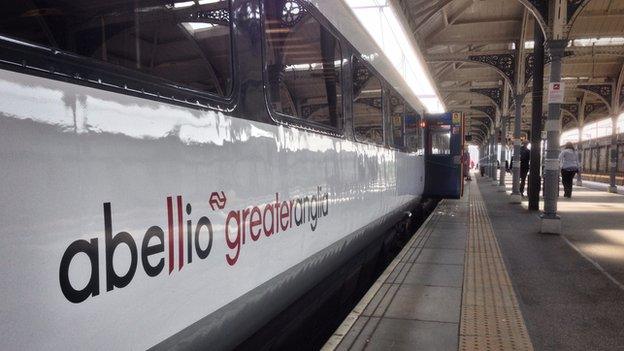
x=516, y=198
x=487, y=158
x=492, y=158
x=489, y=155
x=579, y=174
x=551, y=222
x=536, y=119
x=488, y=171
x=482, y=156
x=503, y=134
x=493, y=155
x=614, y=156
x=579, y=149
x=503, y=153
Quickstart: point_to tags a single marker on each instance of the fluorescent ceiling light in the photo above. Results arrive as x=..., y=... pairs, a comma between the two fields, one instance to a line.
x=309, y=66
x=178, y=5
x=183, y=4
x=382, y=23
x=608, y=41
x=193, y=27
x=575, y=78
x=530, y=44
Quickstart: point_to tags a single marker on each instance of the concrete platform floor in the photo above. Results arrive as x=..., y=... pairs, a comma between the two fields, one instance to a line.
x=448, y=289
x=480, y=276
x=593, y=223
x=415, y=304
x=601, y=186
x=569, y=286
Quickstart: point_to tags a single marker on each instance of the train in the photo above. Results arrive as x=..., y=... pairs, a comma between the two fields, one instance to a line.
x=176, y=174
x=594, y=157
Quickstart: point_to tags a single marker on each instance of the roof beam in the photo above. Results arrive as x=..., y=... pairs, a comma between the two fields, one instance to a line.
x=467, y=90
x=489, y=21
x=602, y=14
x=424, y=10
x=450, y=21
x=471, y=41
x=441, y=4
x=618, y=90
x=460, y=11
x=616, y=50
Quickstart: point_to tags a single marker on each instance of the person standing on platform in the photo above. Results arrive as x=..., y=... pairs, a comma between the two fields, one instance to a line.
x=569, y=166
x=466, y=165
x=525, y=161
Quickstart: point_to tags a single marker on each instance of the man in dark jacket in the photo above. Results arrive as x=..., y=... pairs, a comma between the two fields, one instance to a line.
x=525, y=160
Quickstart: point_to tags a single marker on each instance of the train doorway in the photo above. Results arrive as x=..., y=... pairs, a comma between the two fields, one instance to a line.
x=444, y=155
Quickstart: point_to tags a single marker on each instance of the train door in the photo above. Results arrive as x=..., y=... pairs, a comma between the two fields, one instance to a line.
x=444, y=145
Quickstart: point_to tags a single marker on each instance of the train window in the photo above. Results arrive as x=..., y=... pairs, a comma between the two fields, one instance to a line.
x=397, y=120
x=304, y=65
x=367, y=104
x=441, y=140
x=181, y=43
x=413, y=131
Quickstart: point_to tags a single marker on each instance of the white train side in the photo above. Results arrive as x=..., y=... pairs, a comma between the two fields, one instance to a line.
x=145, y=208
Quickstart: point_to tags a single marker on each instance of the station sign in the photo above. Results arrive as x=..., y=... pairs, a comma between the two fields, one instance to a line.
x=457, y=118
x=556, y=92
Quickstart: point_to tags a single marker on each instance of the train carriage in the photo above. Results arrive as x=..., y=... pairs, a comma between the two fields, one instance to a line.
x=594, y=156
x=176, y=174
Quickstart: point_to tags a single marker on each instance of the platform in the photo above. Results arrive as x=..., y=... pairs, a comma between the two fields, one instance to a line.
x=447, y=289
x=588, y=184
x=479, y=276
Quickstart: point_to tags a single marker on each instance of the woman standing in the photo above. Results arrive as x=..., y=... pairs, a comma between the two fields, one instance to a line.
x=569, y=166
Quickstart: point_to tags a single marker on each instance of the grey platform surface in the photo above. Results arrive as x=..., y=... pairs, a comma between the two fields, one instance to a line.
x=569, y=288
x=567, y=298
x=416, y=304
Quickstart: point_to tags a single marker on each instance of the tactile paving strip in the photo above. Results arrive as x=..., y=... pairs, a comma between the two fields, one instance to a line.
x=490, y=316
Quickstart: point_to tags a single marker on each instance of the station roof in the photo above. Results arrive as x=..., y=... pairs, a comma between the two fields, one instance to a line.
x=471, y=48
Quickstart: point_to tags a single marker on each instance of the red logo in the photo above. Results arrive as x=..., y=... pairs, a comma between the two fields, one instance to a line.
x=217, y=200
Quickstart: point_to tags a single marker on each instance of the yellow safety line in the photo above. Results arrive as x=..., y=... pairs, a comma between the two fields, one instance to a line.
x=490, y=315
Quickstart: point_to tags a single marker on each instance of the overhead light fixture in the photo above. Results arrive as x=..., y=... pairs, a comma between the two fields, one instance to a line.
x=178, y=5
x=387, y=29
x=183, y=4
x=606, y=41
x=193, y=27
